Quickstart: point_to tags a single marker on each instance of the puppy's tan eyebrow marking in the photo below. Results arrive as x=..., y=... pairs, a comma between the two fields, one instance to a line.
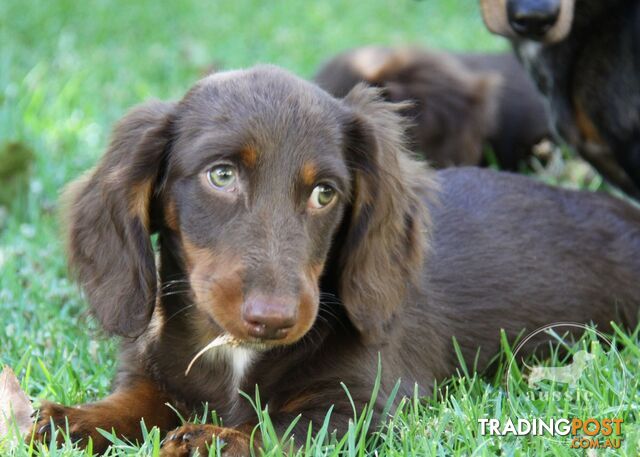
x=249, y=156
x=309, y=172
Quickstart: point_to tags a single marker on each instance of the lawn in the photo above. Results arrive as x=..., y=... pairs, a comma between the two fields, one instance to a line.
x=69, y=69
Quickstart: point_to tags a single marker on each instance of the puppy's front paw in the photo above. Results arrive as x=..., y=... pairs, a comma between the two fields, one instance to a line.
x=186, y=440
x=82, y=426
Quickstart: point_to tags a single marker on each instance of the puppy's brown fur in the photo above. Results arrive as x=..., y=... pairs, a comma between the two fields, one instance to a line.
x=457, y=103
x=522, y=121
x=396, y=263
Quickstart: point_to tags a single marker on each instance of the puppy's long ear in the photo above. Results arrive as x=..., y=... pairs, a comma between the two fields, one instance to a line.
x=108, y=212
x=387, y=233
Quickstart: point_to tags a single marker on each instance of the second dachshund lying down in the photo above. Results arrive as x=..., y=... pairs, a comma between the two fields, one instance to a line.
x=298, y=224
x=459, y=103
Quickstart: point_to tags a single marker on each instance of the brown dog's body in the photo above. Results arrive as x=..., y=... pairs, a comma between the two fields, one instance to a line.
x=522, y=121
x=459, y=102
x=395, y=259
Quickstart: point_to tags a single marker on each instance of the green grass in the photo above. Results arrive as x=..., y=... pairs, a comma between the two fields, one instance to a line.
x=69, y=69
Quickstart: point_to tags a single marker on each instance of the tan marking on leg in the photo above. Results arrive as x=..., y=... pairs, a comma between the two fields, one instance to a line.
x=587, y=128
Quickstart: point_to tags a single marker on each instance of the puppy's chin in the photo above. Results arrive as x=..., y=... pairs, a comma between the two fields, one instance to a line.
x=254, y=345
x=227, y=340
x=259, y=345
x=218, y=335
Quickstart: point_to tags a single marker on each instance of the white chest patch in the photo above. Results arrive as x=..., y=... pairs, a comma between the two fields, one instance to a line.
x=237, y=359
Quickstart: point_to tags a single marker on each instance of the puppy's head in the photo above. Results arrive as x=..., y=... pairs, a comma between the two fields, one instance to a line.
x=548, y=21
x=251, y=176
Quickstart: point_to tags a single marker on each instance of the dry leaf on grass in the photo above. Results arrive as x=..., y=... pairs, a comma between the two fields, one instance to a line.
x=14, y=403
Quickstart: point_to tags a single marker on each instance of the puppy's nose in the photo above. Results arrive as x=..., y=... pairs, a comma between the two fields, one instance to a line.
x=269, y=319
x=532, y=18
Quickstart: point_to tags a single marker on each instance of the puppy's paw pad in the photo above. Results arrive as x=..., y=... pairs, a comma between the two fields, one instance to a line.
x=186, y=440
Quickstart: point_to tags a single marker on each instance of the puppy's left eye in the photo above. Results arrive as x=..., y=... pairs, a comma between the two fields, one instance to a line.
x=321, y=196
x=222, y=177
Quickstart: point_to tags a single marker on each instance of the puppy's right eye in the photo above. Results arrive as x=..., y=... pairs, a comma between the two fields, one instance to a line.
x=222, y=177
x=322, y=196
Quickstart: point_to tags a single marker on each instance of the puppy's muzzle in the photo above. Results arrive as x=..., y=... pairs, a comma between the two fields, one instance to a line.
x=532, y=18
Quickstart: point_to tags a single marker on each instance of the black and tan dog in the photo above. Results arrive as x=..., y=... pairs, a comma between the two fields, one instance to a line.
x=295, y=227
x=458, y=103
x=585, y=57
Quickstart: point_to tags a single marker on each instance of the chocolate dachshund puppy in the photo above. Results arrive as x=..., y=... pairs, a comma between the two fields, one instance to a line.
x=295, y=230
